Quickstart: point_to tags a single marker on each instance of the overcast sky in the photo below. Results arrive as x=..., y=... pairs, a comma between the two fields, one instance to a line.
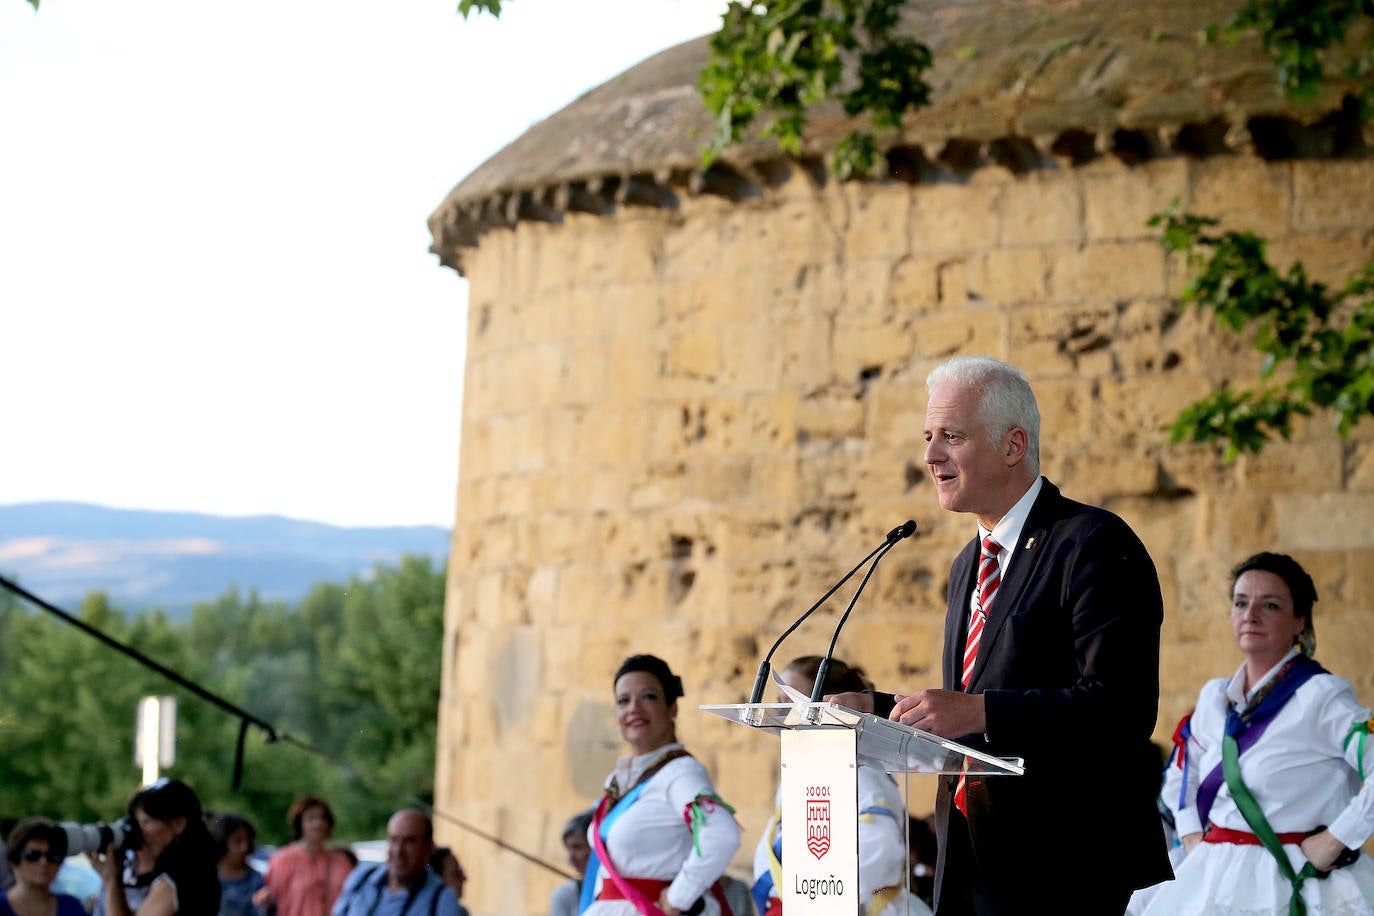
x=216, y=293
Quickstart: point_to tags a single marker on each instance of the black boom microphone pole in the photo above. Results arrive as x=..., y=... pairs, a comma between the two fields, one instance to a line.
x=893, y=536
x=896, y=534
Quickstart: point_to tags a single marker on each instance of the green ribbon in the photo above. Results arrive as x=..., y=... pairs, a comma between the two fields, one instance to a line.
x=697, y=817
x=1358, y=731
x=1250, y=810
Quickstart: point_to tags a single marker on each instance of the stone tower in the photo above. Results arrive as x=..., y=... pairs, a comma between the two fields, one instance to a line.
x=693, y=399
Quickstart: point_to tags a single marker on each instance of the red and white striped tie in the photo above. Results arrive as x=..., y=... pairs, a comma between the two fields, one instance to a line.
x=989, y=577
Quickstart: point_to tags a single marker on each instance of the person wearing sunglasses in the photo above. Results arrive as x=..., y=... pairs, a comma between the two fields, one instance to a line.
x=35, y=850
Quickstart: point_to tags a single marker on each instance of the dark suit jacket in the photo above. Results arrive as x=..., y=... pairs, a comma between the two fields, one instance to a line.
x=1068, y=668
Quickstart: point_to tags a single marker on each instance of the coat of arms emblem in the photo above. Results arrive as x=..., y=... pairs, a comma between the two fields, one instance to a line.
x=818, y=823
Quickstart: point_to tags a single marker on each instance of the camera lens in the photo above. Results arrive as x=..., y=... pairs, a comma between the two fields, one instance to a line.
x=93, y=838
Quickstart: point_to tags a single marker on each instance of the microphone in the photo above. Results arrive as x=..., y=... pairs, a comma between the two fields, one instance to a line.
x=900, y=533
x=904, y=530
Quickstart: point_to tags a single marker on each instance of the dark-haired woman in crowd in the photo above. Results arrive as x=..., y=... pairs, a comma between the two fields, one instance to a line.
x=235, y=840
x=1268, y=787
x=565, y=898
x=136, y=875
x=183, y=880
x=661, y=837
x=35, y=850
x=883, y=861
x=304, y=878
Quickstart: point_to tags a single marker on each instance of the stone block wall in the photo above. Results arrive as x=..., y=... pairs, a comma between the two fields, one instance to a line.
x=682, y=425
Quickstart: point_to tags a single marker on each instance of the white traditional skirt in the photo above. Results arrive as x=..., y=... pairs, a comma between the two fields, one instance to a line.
x=904, y=904
x=1226, y=879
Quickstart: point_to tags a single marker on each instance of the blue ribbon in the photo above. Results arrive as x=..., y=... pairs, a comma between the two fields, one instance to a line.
x=764, y=886
x=1247, y=727
x=594, y=863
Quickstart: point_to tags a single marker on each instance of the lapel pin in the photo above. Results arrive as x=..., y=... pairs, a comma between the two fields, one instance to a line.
x=1030, y=543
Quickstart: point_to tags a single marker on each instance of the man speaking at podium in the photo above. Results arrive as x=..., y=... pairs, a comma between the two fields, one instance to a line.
x=1051, y=654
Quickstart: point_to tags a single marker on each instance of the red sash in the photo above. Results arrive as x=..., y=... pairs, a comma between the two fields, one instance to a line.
x=649, y=887
x=1217, y=834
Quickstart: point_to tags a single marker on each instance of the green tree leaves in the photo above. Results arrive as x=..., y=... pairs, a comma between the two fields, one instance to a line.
x=381, y=687
x=353, y=670
x=1320, y=341
x=63, y=749
x=778, y=58
x=1299, y=33
x=481, y=6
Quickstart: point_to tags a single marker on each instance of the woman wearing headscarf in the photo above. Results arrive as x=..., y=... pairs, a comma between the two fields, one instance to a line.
x=661, y=837
x=1267, y=785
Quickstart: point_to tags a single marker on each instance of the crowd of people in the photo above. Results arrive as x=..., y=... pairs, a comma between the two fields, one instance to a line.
x=1051, y=654
x=181, y=862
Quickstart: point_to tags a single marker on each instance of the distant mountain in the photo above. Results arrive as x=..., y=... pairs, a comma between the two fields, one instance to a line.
x=61, y=551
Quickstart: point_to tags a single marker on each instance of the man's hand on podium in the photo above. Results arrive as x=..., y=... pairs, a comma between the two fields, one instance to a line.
x=947, y=713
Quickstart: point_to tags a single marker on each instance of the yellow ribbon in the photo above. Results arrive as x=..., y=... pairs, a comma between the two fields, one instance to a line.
x=881, y=898
x=774, y=863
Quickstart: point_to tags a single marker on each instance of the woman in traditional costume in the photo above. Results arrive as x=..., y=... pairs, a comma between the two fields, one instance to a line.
x=661, y=837
x=1267, y=785
x=883, y=862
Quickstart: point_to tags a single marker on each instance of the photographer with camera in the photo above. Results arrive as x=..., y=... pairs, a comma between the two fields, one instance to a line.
x=35, y=851
x=137, y=873
x=173, y=834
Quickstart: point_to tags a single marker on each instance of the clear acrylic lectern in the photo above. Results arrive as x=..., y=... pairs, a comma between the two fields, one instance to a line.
x=888, y=745
x=823, y=748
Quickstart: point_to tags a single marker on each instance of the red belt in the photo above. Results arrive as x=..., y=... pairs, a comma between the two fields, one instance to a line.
x=1217, y=834
x=649, y=887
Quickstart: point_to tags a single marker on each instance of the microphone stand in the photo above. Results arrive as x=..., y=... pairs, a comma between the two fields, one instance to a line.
x=893, y=536
x=823, y=670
